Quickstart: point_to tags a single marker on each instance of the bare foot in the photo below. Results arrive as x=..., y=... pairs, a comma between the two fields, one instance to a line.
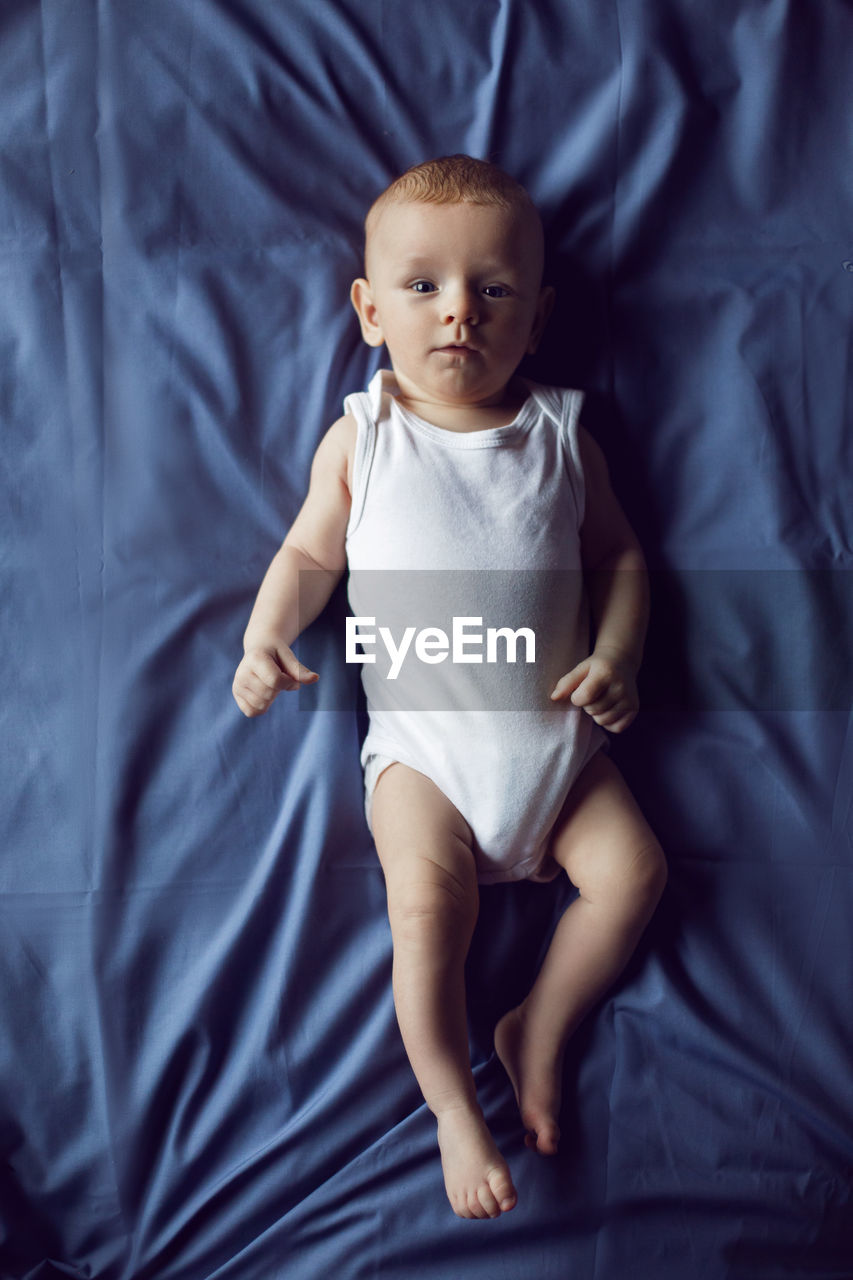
x=476, y=1176
x=536, y=1076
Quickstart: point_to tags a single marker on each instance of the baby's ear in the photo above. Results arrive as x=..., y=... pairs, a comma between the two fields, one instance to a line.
x=544, y=307
x=365, y=308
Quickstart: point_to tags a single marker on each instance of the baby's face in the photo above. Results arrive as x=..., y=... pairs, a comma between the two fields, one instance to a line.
x=454, y=291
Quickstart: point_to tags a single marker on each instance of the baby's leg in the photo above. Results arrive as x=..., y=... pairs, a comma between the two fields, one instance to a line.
x=424, y=845
x=611, y=855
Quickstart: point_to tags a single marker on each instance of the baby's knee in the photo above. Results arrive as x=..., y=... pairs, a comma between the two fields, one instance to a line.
x=648, y=874
x=436, y=906
x=628, y=880
x=641, y=884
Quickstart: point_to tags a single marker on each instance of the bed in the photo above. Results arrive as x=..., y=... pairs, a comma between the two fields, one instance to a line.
x=202, y=1077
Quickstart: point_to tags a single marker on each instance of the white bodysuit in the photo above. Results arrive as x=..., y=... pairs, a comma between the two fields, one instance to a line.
x=482, y=526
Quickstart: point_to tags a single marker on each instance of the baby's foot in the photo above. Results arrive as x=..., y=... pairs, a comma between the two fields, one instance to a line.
x=476, y=1176
x=536, y=1076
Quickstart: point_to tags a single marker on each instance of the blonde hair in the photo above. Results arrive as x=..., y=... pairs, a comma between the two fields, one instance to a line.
x=457, y=179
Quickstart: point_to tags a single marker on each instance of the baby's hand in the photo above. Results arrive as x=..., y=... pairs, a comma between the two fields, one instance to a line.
x=605, y=685
x=263, y=674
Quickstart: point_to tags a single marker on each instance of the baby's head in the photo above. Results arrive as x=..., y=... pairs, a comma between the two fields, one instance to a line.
x=456, y=180
x=454, y=253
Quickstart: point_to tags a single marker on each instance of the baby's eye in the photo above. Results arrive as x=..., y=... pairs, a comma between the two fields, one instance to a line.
x=496, y=291
x=422, y=286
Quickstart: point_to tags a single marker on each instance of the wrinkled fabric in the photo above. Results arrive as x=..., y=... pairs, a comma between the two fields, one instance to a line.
x=200, y=1071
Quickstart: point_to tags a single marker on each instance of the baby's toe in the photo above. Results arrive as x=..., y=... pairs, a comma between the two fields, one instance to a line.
x=543, y=1135
x=501, y=1192
x=548, y=1140
x=466, y=1205
x=488, y=1201
x=482, y=1204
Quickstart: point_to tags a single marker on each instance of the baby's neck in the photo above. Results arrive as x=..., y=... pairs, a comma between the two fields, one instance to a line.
x=465, y=418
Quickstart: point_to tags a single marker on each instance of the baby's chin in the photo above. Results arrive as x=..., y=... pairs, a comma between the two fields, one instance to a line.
x=458, y=383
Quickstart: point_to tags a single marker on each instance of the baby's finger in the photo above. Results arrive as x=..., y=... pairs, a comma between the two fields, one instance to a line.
x=570, y=681
x=289, y=675
x=249, y=703
x=267, y=672
x=616, y=720
x=592, y=692
x=608, y=715
x=298, y=672
x=607, y=702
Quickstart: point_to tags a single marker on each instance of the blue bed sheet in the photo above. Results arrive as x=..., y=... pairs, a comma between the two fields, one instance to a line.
x=201, y=1071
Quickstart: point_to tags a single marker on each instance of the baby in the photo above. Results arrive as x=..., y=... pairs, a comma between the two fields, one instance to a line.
x=451, y=461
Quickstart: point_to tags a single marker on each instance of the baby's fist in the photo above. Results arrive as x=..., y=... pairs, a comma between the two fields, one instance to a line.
x=604, y=685
x=263, y=674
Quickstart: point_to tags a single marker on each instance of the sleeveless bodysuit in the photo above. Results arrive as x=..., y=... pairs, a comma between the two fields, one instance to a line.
x=473, y=532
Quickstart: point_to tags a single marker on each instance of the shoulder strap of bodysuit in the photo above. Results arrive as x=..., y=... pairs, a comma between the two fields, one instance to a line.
x=562, y=406
x=569, y=424
x=365, y=407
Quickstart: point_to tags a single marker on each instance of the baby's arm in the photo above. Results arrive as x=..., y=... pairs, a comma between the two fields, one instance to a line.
x=286, y=603
x=605, y=683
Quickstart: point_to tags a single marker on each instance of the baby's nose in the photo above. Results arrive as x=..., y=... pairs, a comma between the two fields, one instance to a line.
x=461, y=306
